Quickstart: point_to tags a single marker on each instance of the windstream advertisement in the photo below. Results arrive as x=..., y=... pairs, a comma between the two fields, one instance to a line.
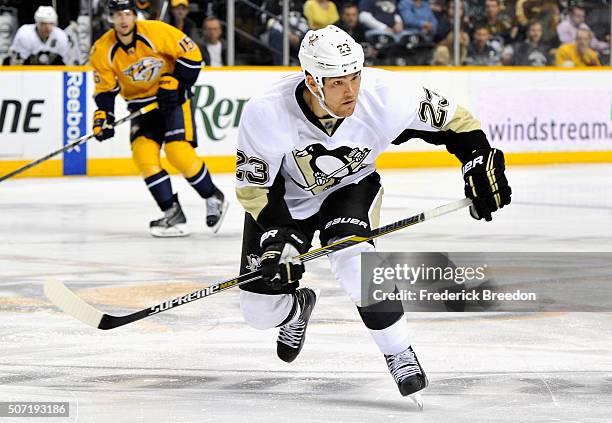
x=521, y=112
x=571, y=119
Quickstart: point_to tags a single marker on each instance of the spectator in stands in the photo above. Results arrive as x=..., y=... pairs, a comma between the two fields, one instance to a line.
x=320, y=13
x=41, y=43
x=442, y=54
x=497, y=22
x=523, y=11
x=179, y=9
x=480, y=52
x=598, y=19
x=446, y=21
x=148, y=9
x=474, y=8
x=418, y=17
x=8, y=28
x=349, y=22
x=550, y=17
x=298, y=26
x=441, y=57
x=579, y=53
x=568, y=28
x=381, y=16
x=544, y=11
x=531, y=52
x=386, y=33
x=439, y=8
x=212, y=46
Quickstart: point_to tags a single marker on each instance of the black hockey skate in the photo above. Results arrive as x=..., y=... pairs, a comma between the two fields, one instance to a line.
x=291, y=336
x=216, y=208
x=407, y=372
x=173, y=224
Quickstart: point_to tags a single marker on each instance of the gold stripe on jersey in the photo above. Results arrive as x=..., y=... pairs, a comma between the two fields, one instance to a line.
x=462, y=121
x=136, y=68
x=188, y=119
x=253, y=199
x=374, y=212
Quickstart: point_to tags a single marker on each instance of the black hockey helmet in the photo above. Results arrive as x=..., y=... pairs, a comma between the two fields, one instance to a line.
x=117, y=5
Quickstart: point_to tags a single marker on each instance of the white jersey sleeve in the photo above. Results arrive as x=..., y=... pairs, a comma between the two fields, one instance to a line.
x=63, y=46
x=21, y=43
x=419, y=112
x=432, y=111
x=260, y=155
x=411, y=106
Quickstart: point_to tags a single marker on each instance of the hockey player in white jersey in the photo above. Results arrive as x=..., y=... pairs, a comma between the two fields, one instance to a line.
x=306, y=162
x=41, y=43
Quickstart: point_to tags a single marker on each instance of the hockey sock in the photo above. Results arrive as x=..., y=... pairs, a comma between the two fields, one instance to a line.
x=393, y=339
x=263, y=311
x=382, y=314
x=202, y=182
x=346, y=267
x=161, y=189
x=386, y=323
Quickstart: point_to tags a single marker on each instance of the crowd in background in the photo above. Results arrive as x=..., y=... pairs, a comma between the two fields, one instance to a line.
x=392, y=32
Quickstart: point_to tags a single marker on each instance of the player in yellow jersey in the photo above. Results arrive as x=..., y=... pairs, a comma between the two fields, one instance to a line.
x=149, y=61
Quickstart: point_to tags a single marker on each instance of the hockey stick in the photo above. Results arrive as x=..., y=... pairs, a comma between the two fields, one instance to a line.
x=70, y=303
x=78, y=142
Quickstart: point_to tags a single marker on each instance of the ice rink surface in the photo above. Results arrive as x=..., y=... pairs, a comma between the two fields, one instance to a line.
x=201, y=363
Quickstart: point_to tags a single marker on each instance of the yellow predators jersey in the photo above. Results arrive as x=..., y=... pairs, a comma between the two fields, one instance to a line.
x=134, y=70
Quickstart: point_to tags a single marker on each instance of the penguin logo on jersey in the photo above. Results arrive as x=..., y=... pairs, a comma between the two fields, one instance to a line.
x=144, y=70
x=323, y=168
x=253, y=262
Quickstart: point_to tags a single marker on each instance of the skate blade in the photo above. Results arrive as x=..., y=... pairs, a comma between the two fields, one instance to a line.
x=417, y=398
x=175, y=231
x=216, y=226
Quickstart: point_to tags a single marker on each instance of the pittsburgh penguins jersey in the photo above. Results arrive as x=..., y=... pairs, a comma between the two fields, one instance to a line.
x=289, y=161
x=134, y=70
x=28, y=47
